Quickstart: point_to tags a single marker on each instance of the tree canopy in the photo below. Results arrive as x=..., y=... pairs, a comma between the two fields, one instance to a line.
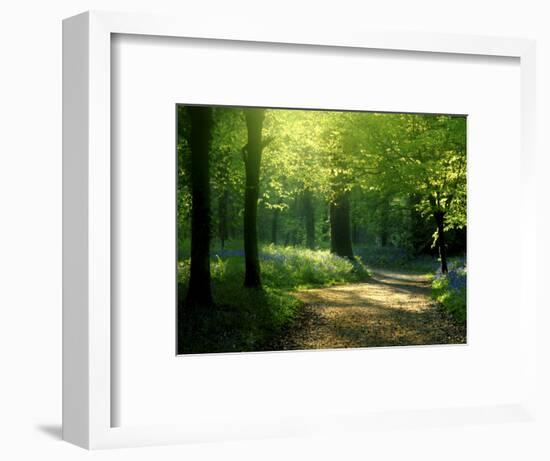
x=402, y=174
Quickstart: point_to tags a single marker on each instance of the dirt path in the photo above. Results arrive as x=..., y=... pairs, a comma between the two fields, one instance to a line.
x=391, y=309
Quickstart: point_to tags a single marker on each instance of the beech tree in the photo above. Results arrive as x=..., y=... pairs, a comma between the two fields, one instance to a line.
x=252, y=156
x=423, y=158
x=438, y=147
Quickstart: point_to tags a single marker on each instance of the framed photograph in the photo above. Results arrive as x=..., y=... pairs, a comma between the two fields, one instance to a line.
x=330, y=228
x=255, y=222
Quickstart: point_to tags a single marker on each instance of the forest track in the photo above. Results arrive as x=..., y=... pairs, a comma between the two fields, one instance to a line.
x=393, y=308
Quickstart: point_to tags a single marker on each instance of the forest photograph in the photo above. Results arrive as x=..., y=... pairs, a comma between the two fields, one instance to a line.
x=304, y=229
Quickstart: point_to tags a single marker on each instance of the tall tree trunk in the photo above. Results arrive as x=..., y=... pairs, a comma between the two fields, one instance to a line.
x=440, y=221
x=222, y=217
x=418, y=227
x=309, y=217
x=274, y=225
x=354, y=233
x=384, y=231
x=199, y=294
x=252, y=154
x=325, y=223
x=340, y=233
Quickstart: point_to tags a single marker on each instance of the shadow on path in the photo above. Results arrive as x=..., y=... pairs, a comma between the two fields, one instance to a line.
x=391, y=309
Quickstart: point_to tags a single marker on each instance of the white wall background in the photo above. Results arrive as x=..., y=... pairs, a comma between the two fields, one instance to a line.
x=30, y=230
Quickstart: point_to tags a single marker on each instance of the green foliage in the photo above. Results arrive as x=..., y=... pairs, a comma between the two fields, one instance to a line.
x=396, y=258
x=451, y=298
x=398, y=171
x=296, y=268
x=242, y=320
x=253, y=320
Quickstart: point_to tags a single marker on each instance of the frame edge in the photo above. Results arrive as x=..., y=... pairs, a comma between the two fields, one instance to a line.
x=85, y=55
x=75, y=260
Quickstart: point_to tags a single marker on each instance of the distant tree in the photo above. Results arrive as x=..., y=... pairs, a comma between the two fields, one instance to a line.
x=227, y=175
x=440, y=174
x=423, y=158
x=308, y=209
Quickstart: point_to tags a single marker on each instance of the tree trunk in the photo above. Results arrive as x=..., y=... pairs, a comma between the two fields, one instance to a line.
x=222, y=217
x=440, y=221
x=252, y=153
x=309, y=217
x=384, y=223
x=199, y=294
x=340, y=234
x=354, y=233
x=274, y=225
x=419, y=229
x=384, y=237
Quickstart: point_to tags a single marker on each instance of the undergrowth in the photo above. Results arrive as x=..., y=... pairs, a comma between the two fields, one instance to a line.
x=252, y=320
x=449, y=290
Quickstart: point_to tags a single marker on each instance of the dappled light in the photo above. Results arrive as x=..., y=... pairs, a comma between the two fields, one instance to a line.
x=391, y=309
x=316, y=229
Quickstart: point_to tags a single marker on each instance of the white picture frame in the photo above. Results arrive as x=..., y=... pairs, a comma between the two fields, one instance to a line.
x=88, y=364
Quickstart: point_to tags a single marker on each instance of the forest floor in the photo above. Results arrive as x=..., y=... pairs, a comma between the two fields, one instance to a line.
x=393, y=308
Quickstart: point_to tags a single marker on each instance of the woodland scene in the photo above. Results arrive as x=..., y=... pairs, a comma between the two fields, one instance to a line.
x=313, y=229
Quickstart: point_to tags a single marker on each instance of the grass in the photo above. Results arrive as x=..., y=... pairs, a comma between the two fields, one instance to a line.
x=450, y=292
x=254, y=320
x=298, y=268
